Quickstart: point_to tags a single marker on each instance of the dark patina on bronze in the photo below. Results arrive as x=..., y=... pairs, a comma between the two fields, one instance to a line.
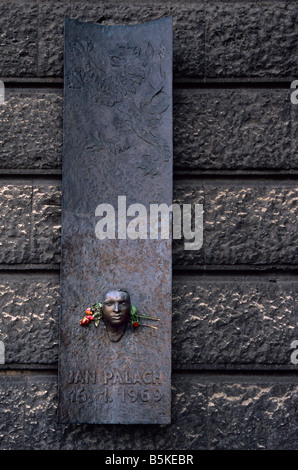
x=117, y=141
x=115, y=313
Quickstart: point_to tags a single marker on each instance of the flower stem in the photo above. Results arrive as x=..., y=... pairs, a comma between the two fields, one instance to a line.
x=149, y=326
x=150, y=318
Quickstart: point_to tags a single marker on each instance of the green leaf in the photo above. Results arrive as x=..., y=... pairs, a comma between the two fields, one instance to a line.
x=133, y=314
x=96, y=306
x=133, y=310
x=96, y=322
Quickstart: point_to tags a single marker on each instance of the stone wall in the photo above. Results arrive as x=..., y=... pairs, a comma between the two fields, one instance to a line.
x=234, y=309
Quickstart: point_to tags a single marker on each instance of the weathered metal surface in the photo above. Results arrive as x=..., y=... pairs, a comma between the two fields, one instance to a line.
x=117, y=142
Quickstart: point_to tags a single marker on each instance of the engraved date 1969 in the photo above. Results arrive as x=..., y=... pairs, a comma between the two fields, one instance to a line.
x=126, y=395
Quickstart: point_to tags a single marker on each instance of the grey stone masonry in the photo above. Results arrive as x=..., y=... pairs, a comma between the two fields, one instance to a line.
x=213, y=130
x=31, y=223
x=29, y=318
x=31, y=131
x=212, y=39
x=234, y=129
x=235, y=319
x=241, y=322
x=208, y=413
x=19, y=39
x=245, y=223
x=236, y=323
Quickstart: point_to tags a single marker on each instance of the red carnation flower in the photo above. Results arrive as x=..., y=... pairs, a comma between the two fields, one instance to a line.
x=85, y=321
x=135, y=324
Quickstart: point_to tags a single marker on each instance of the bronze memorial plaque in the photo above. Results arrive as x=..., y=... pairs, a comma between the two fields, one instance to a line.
x=116, y=272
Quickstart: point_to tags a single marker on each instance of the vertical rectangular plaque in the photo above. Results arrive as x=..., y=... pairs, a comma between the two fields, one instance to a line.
x=117, y=171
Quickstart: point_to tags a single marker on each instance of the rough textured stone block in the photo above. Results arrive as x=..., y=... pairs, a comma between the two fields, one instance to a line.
x=31, y=224
x=244, y=224
x=29, y=320
x=232, y=322
x=28, y=406
x=19, y=39
x=208, y=413
x=12, y=407
x=216, y=130
x=232, y=129
x=253, y=39
x=31, y=130
x=252, y=416
x=33, y=400
x=46, y=214
x=215, y=324
x=15, y=205
x=256, y=39
x=41, y=431
x=188, y=23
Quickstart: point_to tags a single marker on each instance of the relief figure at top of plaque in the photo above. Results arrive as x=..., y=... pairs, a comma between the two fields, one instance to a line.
x=127, y=97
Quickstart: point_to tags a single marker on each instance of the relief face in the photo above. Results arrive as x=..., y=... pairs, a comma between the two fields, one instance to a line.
x=115, y=313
